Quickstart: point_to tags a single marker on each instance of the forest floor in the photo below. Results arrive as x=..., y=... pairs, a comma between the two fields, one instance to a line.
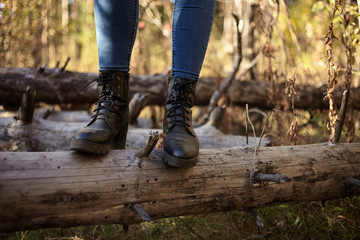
x=332, y=219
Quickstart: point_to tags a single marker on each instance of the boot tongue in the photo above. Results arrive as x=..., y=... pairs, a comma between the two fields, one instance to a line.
x=180, y=101
x=182, y=88
x=182, y=80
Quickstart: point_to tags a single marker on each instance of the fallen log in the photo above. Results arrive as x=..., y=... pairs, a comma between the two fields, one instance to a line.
x=45, y=135
x=64, y=189
x=55, y=87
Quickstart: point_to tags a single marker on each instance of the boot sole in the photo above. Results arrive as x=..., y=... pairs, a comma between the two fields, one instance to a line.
x=89, y=147
x=179, y=162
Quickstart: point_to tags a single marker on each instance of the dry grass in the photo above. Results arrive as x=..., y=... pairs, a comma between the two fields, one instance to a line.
x=333, y=219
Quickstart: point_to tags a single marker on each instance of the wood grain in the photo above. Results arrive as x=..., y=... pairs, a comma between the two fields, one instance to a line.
x=64, y=189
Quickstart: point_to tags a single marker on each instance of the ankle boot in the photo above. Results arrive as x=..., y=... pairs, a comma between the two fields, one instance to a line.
x=181, y=145
x=109, y=123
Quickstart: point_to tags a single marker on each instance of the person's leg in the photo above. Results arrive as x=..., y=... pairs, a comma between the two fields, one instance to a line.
x=192, y=23
x=191, y=27
x=116, y=25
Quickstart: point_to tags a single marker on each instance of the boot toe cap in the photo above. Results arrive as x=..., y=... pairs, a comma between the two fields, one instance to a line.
x=91, y=135
x=182, y=148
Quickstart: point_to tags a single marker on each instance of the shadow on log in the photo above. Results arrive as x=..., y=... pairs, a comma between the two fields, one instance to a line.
x=64, y=189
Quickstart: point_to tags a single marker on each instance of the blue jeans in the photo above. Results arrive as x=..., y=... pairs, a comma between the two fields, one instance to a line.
x=116, y=26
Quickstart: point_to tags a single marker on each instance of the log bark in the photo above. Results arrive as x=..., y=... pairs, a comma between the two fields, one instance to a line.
x=45, y=135
x=55, y=87
x=64, y=189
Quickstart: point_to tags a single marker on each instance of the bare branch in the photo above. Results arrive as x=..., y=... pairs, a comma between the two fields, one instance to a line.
x=340, y=120
x=263, y=130
x=66, y=63
x=352, y=182
x=259, y=221
x=150, y=144
x=141, y=211
x=48, y=111
x=252, y=126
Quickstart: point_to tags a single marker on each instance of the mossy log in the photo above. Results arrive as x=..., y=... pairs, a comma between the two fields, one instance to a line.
x=64, y=189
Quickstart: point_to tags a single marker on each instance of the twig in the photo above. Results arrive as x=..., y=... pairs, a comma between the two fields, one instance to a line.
x=66, y=63
x=255, y=110
x=339, y=123
x=150, y=144
x=47, y=113
x=255, y=148
x=42, y=68
x=141, y=211
x=263, y=130
x=246, y=129
x=278, y=178
x=352, y=182
x=257, y=217
x=347, y=42
x=252, y=126
x=251, y=64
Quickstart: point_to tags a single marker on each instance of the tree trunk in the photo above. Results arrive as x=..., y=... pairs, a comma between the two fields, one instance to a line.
x=248, y=13
x=64, y=189
x=54, y=87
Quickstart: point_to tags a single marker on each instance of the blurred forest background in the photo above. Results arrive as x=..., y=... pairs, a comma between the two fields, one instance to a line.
x=294, y=41
x=47, y=31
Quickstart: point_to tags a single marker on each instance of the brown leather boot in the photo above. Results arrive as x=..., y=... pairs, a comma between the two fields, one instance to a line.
x=109, y=123
x=181, y=145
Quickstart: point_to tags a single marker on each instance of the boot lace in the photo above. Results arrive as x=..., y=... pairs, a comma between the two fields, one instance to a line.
x=180, y=102
x=108, y=98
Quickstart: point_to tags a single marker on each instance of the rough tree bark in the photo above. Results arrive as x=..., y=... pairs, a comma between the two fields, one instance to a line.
x=54, y=87
x=63, y=189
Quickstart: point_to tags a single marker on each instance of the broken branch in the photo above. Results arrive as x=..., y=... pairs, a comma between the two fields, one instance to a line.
x=150, y=144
